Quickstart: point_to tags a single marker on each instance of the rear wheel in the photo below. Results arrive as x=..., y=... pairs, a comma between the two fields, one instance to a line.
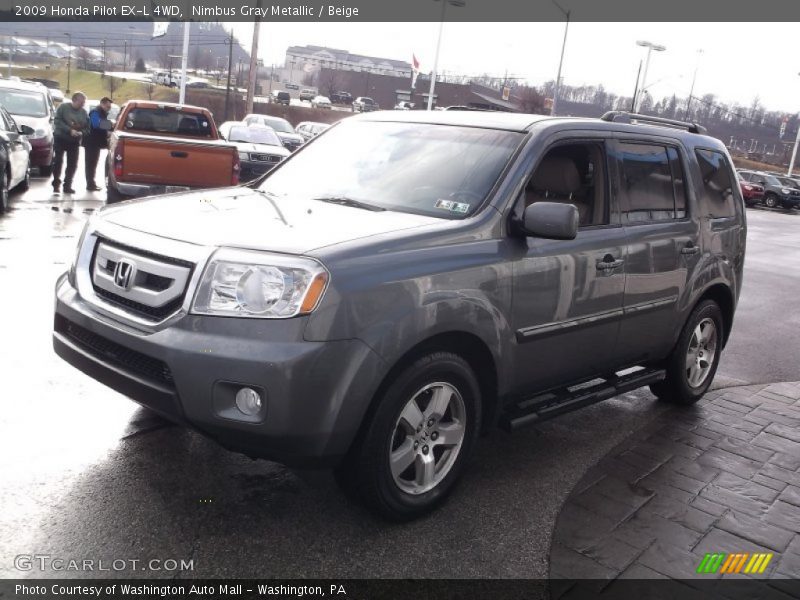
x=417, y=441
x=770, y=200
x=693, y=362
x=4, y=192
x=23, y=185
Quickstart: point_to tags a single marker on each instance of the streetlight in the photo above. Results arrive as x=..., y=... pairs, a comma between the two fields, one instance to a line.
x=12, y=42
x=794, y=150
x=69, y=58
x=650, y=48
x=566, y=14
x=457, y=3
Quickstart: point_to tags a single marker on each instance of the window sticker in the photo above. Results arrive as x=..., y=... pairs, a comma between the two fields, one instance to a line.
x=452, y=206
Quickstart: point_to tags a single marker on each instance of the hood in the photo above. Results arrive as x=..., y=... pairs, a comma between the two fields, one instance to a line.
x=261, y=148
x=244, y=218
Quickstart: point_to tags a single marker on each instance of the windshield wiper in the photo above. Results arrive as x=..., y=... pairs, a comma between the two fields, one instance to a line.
x=345, y=201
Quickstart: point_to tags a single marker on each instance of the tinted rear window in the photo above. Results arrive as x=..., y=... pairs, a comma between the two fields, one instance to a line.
x=164, y=121
x=653, y=186
x=718, y=183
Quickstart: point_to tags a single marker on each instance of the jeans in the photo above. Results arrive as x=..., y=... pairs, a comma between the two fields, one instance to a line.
x=91, y=156
x=71, y=149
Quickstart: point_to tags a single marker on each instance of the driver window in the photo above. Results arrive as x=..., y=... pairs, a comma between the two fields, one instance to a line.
x=573, y=173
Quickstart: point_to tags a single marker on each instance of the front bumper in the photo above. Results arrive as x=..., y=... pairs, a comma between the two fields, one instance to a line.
x=790, y=201
x=252, y=169
x=317, y=393
x=41, y=152
x=136, y=190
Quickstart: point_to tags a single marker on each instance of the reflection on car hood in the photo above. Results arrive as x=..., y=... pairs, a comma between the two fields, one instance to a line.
x=289, y=137
x=244, y=218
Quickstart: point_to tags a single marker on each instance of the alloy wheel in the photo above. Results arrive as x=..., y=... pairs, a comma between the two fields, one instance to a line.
x=701, y=352
x=427, y=438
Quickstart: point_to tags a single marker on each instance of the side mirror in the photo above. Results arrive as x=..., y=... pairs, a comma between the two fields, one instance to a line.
x=551, y=220
x=26, y=130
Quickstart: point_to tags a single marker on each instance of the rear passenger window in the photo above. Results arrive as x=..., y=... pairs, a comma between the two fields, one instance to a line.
x=718, y=183
x=653, y=184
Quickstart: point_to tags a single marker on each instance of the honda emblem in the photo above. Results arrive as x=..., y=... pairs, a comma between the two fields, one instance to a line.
x=124, y=274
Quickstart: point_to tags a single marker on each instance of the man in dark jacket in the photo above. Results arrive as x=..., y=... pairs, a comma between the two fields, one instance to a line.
x=70, y=125
x=96, y=140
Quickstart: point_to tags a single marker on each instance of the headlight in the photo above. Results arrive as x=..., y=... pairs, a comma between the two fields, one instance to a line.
x=749, y=188
x=244, y=156
x=240, y=283
x=786, y=191
x=38, y=134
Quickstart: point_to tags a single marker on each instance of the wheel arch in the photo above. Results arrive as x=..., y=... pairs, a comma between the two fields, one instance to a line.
x=723, y=296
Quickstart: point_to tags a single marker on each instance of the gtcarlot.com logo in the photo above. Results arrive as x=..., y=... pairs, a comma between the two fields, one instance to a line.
x=741, y=562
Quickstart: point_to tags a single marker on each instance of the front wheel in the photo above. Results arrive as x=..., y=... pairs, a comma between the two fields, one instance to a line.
x=693, y=362
x=418, y=440
x=4, y=201
x=770, y=201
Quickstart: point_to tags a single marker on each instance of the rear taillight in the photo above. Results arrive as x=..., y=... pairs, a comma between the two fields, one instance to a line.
x=236, y=168
x=118, y=153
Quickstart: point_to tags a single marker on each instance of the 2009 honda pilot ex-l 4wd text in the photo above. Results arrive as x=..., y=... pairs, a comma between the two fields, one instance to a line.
x=448, y=272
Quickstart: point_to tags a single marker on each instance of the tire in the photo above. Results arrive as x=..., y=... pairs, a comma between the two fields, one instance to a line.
x=770, y=201
x=686, y=382
x=435, y=446
x=4, y=201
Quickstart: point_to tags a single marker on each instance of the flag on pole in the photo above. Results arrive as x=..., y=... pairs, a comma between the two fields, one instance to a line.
x=159, y=29
x=414, y=70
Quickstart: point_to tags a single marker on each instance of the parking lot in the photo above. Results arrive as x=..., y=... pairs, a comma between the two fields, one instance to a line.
x=88, y=474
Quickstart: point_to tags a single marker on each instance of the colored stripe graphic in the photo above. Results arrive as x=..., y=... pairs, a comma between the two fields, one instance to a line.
x=737, y=562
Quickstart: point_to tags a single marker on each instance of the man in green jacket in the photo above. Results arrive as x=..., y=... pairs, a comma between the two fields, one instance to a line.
x=70, y=125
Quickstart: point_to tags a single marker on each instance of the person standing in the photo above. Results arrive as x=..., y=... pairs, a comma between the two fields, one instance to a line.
x=95, y=140
x=70, y=125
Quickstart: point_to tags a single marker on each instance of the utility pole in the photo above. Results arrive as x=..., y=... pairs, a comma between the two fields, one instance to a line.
x=11, y=43
x=184, y=60
x=253, y=74
x=230, y=67
x=103, y=45
x=694, y=79
x=557, y=87
x=69, y=59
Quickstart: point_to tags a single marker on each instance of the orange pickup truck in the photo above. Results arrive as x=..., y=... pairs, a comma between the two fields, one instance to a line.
x=158, y=148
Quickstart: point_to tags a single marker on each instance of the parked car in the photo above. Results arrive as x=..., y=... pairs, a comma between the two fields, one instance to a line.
x=310, y=129
x=280, y=97
x=15, y=157
x=342, y=98
x=259, y=147
x=30, y=104
x=159, y=147
x=751, y=192
x=321, y=102
x=56, y=95
x=291, y=86
x=168, y=78
x=404, y=105
x=364, y=104
x=307, y=94
x=776, y=193
x=290, y=139
x=339, y=314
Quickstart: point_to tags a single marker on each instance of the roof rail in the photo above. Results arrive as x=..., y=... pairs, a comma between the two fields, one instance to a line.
x=621, y=116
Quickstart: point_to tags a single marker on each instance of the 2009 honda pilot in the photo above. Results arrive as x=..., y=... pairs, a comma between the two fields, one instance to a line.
x=448, y=272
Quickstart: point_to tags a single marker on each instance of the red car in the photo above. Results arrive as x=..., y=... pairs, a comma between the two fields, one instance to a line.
x=751, y=192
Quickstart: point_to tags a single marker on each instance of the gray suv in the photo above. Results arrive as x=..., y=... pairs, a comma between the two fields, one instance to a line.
x=448, y=273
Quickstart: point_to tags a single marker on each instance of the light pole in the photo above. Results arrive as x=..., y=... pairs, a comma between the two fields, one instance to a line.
x=230, y=67
x=557, y=87
x=794, y=150
x=694, y=79
x=457, y=3
x=11, y=43
x=650, y=47
x=69, y=58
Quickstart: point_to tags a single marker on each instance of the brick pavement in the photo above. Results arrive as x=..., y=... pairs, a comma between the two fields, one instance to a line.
x=720, y=476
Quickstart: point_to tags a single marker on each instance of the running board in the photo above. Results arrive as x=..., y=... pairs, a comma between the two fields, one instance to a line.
x=559, y=401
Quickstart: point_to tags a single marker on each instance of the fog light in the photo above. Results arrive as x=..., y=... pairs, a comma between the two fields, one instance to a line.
x=248, y=401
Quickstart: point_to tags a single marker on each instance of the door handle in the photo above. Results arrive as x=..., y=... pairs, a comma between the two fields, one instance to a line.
x=608, y=263
x=178, y=154
x=690, y=249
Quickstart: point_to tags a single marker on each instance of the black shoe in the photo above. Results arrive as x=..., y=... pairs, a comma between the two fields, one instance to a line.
x=93, y=188
x=56, y=188
x=68, y=190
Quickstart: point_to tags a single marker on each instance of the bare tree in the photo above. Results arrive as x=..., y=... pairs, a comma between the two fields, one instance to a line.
x=149, y=88
x=83, y=56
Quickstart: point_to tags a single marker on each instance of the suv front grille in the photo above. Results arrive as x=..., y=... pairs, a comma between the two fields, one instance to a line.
x=130, y=360
x=150, y=286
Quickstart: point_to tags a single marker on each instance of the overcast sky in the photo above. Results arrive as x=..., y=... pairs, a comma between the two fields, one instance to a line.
x=739, y=60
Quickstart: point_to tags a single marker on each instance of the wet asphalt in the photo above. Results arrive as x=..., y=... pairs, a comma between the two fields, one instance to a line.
x=86, y=474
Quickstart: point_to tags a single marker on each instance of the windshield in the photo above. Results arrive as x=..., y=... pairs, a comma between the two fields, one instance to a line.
x=24, y=103
x=254, y=135
x=437, y=170
x=788, y=182
x=278, y=125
